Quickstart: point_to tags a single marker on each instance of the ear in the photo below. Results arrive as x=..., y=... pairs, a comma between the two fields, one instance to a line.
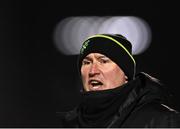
x=126, y=79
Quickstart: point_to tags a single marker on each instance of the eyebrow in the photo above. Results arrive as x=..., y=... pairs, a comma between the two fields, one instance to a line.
x=99, y=57
x=102, y=57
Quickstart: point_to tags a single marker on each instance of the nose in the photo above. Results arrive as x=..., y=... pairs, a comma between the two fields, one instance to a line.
x=94, y=70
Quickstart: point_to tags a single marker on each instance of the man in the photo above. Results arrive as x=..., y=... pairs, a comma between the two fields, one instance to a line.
x=113, y=94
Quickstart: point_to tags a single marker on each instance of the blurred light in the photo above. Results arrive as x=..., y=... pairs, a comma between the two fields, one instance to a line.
x=72, y=31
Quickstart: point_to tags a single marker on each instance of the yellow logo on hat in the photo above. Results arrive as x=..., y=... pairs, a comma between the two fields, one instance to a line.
x=84, y=46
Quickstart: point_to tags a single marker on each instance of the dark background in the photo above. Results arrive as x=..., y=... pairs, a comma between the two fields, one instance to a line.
x=37, y=80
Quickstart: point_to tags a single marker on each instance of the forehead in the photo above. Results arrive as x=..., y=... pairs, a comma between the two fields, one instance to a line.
x=96, y=55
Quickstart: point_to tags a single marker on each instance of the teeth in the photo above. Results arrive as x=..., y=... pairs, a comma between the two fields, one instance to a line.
x=95, y=84
x=94, y=81
x=96, y=87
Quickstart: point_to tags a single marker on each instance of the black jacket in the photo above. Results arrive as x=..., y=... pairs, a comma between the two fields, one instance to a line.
x=145, y=106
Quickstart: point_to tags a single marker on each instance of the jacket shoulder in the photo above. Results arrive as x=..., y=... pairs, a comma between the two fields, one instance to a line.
x=154, y=114
x=150, y=79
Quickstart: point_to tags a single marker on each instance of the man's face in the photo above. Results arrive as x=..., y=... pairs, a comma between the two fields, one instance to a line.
x=101, y=73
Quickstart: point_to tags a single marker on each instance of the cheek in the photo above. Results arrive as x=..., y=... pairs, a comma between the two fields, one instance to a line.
x=112, y=75
x=84, y=78
x=84, y=74
x=115, y=77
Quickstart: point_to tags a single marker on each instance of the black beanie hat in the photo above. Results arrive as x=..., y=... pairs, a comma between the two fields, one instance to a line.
x=114, y=46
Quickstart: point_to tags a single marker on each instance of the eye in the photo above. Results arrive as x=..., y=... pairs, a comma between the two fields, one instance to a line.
x=85, y=62
x=104, y=61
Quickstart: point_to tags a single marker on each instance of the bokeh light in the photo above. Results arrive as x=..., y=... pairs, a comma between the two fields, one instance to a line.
x=72, y=31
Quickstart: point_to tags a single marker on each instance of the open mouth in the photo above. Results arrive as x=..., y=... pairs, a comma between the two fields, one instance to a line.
x=96, y=84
